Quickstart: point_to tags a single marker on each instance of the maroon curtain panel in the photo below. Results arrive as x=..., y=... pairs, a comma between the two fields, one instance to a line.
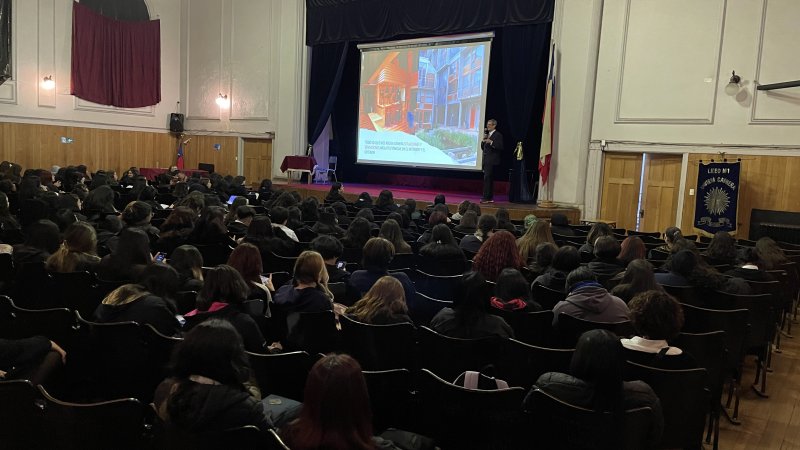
x=115, y=62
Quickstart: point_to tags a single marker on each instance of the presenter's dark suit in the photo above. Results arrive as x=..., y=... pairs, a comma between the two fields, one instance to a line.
x=491, y=158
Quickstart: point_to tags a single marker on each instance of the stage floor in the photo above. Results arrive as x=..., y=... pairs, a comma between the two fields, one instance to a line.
x=424, y=197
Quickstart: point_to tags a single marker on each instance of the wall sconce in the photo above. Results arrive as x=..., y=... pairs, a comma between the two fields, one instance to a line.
x=48, y=83
x=733, y=86
x=223, y=101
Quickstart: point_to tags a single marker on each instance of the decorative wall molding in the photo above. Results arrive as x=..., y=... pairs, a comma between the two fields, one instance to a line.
x=193, y=110
x=709, y=118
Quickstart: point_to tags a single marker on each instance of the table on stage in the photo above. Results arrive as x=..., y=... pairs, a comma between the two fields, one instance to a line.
x=152, y=172
x=298, y=164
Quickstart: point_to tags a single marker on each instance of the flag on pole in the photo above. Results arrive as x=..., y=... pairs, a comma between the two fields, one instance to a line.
x=546, y=149
x=179, y=161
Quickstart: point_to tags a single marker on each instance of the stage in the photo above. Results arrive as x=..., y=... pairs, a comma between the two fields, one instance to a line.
x=424, y=197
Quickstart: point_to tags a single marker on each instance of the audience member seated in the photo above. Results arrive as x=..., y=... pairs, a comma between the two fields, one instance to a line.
x=210, y=228
x=504, y=221
x=148, y=195
x=696, y=272
x=538, y=233
x=335, y=194
x=496, y=254
x=439, y=199
x=263, y=235
x=752, y=267
x=358, y=233
x=188, y=262
x=246, y=259
x=42, y=240
x=385, y=202
x=769, y=252
x=462, y=209
x=377, y=254
x=265, y=190
x=605, y=263
x=208, y=390
x=176, y=229
x=436, y=218
x=369, y=216
x=469, y=318
x=632, y=248
x=565, y=261
x=541, y=259
x=98, y=203
x=596, y=381
x=135, y=303
x=7, y=220
x=512, y=293
x=138, y=215
x=411, y=208
x=599, y=229
x=637, y=278
x=589, y=300
x=129, y=176
x=336, y=413
x=309, y=209
x=364, y=200
x=671, y=235
x=34, y=359
x=340, y=208
x=442, y=247
x=78, y=252
x=309, y=291
x=391, y=231
x=468, y=224
x=721, y=250
x=280, y=216
x=383, y=304
x=244, y=216
x=559, y=224
x=657, y=318
x=128, y=260
x=224, y=291
x=486, y=226
x=328, y=224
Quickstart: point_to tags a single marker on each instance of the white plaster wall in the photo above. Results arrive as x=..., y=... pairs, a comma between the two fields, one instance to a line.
x=41, y=39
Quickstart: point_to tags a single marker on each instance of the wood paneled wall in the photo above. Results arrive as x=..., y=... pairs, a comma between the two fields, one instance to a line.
x=766, y=182
x=39, y=146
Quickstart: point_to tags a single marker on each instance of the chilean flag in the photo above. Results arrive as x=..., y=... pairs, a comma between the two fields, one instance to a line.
x=546, y=148
x=179, y=161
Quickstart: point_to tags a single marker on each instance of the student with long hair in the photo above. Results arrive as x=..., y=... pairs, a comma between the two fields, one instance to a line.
x=128, y=259
x=246, y=259
x=78, y=251
x=391, y=231
x=442, y=247
x=263, y=235
x=596, y=381
x=308, y=291
x=486, y=225
x=41, y=241
x=358, y=233
x=336, y=412
x=597, y=230
x=208, y=391
x=385, y=201
x=224, y=291
x=210, y=228
x=468, y=223
x=497, y=253
x=469, y=318
x=512, y=293
x=188, y=262
x=637, y=278
x=335, y=193
x=770, y=253
x=721, y=250
x=176, y=229
x=542, y=258
x=538, y=233
x=631, y=248
x=383, y=304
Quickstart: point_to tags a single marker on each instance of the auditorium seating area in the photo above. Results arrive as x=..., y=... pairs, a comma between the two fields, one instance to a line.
x=100, y=397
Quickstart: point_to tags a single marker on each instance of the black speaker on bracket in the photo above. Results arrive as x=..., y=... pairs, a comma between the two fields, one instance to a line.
x=176, y=123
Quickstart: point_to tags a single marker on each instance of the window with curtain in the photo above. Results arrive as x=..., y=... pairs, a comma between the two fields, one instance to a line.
x=5, y=40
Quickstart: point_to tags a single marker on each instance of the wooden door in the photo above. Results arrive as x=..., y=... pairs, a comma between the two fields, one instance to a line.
x=622, y=174
x=257, y=155
x=662, y=177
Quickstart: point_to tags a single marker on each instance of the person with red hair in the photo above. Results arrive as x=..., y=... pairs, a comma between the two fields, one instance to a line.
x=632, y=248
x=497, y=253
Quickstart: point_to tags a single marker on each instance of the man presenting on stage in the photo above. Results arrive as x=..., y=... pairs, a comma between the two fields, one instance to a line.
x=492, y=146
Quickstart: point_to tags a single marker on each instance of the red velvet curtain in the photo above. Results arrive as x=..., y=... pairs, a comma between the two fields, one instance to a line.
x=114, y=62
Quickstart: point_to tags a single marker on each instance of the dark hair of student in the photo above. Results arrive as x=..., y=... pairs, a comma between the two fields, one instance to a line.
x=246, y=259
x=599, y=360
x=511, y=284
x=566, y=259
x=327, y=246
x=722, y=247
x=44, y=235
x=222, y=284
x=161, y=280
x=377, y=254
x=597, y=230
x=188, y=261
x=632, y=248
x=656, y=315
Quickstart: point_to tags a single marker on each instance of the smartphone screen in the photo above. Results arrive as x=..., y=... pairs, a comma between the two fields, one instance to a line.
x=160, y=257
x=341, y=264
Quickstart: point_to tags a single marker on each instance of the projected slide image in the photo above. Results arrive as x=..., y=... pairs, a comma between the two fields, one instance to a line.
x=422, y=106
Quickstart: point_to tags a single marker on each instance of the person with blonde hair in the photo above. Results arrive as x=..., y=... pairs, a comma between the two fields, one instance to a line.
x=538, y=233
x=78, y=251
x=308, y=291
x=383, y=304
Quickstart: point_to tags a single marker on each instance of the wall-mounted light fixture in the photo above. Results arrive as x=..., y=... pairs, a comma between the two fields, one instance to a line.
x=48, y=82
x=733, y=86
x=223, y=101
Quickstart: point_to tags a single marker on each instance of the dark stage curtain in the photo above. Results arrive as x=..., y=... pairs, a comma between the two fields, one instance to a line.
x=5, y=40
x=114, y=62
x=327, y=66
x=130, y=10
x=375, y=20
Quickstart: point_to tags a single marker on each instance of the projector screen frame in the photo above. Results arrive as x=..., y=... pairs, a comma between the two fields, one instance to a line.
x=484, y=38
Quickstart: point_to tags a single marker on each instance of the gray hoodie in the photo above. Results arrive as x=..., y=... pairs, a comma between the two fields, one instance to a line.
x=591, y=301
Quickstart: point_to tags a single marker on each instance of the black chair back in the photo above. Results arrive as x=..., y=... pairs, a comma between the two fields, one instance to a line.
x=282, y=374
x=685, y=400
x=76, y=291
x=688, y=295
x=448, y=357
x=186, y=301
x=571, y=328
x=378, y=347
x=558, y=424
x=457, y=417
x=438, y=267
x=277, y=263
x=314, y=332
x=390, y=398
x=436, y=286
x=214, y=254
x=522, y=364
x=21, y=415
x=534, y=328
x=424, y=308
x=547, y=297
x=403, y=261
x=18, y=323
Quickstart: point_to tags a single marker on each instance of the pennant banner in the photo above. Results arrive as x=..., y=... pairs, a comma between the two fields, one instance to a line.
x=717, y=197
